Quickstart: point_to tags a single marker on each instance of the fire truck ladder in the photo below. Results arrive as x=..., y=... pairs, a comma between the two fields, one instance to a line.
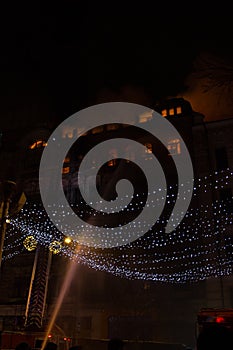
x=36, y=302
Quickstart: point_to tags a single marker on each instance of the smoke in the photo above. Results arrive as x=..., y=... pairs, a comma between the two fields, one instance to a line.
x=210, y=87
x=126, y=93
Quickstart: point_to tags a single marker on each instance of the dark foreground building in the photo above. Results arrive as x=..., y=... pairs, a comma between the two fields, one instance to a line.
x=148, y=290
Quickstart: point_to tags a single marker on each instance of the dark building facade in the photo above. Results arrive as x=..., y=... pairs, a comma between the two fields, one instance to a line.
x=149, y=290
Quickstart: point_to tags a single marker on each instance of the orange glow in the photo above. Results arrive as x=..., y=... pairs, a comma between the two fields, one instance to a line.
x=145, y=117
x=171, y=111
x=68, y=132
x=178, y=148
x=148, y=148
x=98, y=130
x=66, y=170
x=164, y=113
x=38, y=144
x=112, y=127
x=174, y=147
x=114, y=154
x=112, y=162
x=178, y=110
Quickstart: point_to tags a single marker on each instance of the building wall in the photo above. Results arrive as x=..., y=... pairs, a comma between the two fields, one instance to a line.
x=98, y=304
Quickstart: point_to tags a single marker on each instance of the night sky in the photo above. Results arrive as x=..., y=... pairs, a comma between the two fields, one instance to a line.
x=59, y=58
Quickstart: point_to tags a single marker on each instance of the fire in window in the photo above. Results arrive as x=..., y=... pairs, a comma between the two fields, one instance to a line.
x=178, y=110
x=98, y=129
x=148, y=148
x=145, y=117
x=112, y=162
x=38, y=144
x=114, y=154
x=171, y=111
x=66, y=170
x=174, y=147
x=111, y=127
x=164, y=113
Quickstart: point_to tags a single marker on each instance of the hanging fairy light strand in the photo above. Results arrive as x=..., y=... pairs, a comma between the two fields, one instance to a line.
x=200, y=247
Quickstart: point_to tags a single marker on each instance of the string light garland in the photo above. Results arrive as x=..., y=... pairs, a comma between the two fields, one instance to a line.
x=30, y=243
x=201, y=246
x=55, y=247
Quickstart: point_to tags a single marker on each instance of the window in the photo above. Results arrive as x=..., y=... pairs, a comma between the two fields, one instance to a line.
x=98, y=130
x=66, y=170
x=164, y=113
x=171, y=111
x=38, y=144
x=110, y=127
x=221, y=158
x=145, y=117
x=148, y=148
x=112, y=162
x=174, y=147
x=113, y=152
